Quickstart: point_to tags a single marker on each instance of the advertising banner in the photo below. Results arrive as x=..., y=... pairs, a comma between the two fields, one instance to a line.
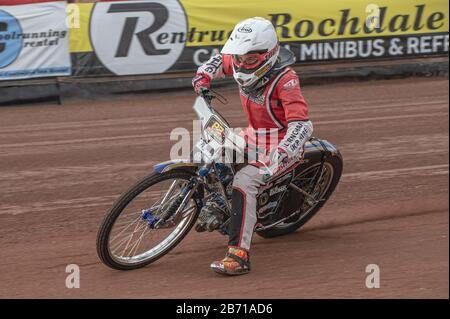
x=157, y=36
x=34, y=41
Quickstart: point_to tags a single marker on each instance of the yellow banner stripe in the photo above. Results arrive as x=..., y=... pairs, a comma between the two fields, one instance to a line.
x=296, y=20
x=78, y=16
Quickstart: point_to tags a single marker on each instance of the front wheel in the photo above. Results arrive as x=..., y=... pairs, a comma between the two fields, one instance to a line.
x=128, y=238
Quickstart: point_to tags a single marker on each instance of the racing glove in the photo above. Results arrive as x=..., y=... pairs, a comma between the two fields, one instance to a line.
x=201, y=82
x=279, y=157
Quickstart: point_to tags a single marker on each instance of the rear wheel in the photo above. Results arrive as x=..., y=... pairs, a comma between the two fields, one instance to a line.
x=329, y=177
x=127, y=238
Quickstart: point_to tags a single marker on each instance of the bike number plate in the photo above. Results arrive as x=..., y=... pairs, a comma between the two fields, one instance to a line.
x=216, y=130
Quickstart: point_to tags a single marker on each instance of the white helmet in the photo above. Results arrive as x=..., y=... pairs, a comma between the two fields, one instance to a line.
x=254, y=47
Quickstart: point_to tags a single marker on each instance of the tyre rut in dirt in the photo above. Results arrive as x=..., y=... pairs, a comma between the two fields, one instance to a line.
x=104, y=233
x=337, y=165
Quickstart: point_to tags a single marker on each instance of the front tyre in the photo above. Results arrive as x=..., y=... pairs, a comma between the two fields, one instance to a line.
x=127, y=238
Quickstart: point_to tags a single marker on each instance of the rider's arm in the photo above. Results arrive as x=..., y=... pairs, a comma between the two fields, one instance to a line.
x=216, y=67
x=300, y=128
x=297, y=135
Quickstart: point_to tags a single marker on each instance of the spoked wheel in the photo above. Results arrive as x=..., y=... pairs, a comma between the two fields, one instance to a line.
x=132, y=234
x=327, y=177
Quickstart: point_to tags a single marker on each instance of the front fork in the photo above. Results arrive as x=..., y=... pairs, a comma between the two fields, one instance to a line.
x=179, y=203
x=176, y=206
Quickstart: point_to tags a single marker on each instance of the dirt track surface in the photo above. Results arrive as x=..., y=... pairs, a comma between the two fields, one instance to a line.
x=61, y=167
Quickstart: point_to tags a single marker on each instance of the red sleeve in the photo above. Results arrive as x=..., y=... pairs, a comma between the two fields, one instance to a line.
x=291, y=97
x=227, y=65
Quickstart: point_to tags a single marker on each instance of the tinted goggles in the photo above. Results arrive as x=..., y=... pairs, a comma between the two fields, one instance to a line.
x=249, y=61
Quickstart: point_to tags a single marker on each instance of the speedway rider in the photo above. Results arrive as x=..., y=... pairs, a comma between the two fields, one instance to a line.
x=272, y=100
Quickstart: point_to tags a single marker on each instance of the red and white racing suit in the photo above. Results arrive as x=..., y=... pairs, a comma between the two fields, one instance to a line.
x=281, y=108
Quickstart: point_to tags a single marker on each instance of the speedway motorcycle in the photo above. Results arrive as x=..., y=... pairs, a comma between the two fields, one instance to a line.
x=155, y=214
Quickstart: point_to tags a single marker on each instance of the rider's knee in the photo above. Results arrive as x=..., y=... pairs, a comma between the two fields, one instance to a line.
x=245, y=181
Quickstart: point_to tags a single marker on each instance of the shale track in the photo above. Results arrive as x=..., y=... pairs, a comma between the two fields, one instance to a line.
x=61, y=167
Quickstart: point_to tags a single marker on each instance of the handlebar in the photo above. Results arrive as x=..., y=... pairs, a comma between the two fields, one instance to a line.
x=209, y=95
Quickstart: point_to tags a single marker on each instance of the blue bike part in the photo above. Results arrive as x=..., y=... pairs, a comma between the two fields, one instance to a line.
x=159, y=168
x=224, y=173
x=203, y=171
x=172, y=164
x=149, y=218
